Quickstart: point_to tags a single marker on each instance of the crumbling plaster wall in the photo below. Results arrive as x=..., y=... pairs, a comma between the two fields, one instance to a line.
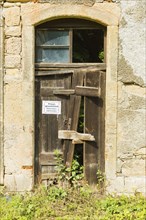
x=127, y=168
x=131, y=117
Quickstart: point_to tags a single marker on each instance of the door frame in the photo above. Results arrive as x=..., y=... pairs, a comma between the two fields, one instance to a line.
x=93, y=148
x=1, y=98
x=98, y=14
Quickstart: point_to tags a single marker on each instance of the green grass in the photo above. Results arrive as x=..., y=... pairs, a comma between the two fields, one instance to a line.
x=70, y=204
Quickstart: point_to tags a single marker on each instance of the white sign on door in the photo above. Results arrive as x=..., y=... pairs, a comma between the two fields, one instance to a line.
x=51, y=107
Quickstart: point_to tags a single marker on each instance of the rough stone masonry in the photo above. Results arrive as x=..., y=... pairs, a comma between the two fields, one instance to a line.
x=125, y=128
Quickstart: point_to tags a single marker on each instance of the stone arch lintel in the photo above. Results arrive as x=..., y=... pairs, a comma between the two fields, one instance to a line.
x=107, y=16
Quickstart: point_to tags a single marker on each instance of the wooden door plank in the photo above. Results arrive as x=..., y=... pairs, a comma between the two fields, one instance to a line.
x=48, y=125
x=51, y=123
x=87, y=91
x=37, y=131
x=73, y=114
x=92, y=126
x=101, y=151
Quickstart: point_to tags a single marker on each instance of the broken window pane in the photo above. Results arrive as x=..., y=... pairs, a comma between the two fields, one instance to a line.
x=52, y=55
x=52, y=46
x=46, y=37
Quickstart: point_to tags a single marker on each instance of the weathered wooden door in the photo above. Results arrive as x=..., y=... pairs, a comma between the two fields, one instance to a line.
x=58, y=99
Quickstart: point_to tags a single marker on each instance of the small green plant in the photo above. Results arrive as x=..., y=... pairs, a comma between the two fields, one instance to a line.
x=100, y=177
x=70, y=203
x=101, y=55
x=2, y=190
x=71, y=176
x=76, y=173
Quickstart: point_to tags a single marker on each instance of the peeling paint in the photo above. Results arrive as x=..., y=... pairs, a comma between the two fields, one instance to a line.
x=126, y=75
x=123, y=22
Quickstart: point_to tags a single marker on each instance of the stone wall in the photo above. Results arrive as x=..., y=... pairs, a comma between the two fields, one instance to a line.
x=1, y=95
x=131, y=120
x=125, y=145
x=17, y=146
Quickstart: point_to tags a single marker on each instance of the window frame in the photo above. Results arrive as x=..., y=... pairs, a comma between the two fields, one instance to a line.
x=69, y=24
x=69, y=46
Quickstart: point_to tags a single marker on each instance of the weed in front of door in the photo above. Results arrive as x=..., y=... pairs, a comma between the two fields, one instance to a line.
x=69, y=176
x=57, y=203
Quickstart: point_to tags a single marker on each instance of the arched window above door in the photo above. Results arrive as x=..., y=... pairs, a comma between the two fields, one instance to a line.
x=70, y=41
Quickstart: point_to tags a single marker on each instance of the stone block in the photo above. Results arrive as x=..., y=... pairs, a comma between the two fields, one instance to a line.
x=141, y=153
x=13, y=72
x=17, y=151
x=28, y=53
x=12, y=61
x=12, y=16
x=13, y=45
x=13, y=75
x=8, y=4
x=14, y=31
x=24, y=181
x=18, y=182
x=9, y=182
x=134, y=167
x=126, y=185
x=13, y=92
x=13, y=106
x=131, y=130
x=115, y=185
x=135, y=184
x=119, y=166
x=11, y=165
x=131, y=97
x=17, y=148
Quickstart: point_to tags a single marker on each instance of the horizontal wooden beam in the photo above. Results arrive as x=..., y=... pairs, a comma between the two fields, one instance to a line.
x=53, y=72
x=48, y=159
x=48, y=176
x=79, y=90
x=99, y=66
x=75, y=136
x=87, y=91
x=66, y=92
